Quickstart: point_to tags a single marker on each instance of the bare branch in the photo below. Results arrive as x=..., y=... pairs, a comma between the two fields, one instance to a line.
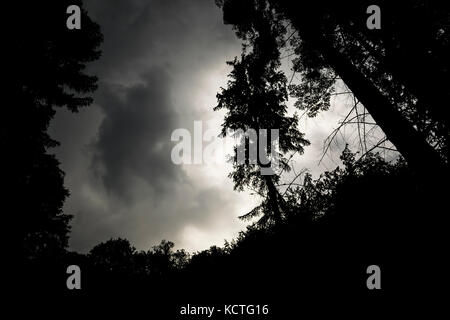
x=293, y=180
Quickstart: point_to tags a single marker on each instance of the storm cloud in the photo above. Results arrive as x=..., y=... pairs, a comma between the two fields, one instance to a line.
x=132, y=139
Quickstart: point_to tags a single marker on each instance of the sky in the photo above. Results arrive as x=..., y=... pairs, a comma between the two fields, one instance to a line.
x=162, y=64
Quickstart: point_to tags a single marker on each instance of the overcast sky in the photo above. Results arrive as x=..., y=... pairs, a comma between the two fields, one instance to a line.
x=163, y=63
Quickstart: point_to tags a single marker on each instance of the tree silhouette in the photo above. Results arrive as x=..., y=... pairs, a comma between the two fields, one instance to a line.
x=332, y=41
x=255, y=99
x=114, y=256
x=49, y=62
x=163, y=261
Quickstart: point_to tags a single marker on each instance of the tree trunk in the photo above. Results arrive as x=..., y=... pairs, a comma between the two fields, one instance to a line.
x=412, y=145
x=274, y=200
x=408, y=141
x=428, y=99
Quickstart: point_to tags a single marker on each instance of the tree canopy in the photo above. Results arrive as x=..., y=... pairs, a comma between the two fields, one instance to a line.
x=256, y=99
x=48, y=62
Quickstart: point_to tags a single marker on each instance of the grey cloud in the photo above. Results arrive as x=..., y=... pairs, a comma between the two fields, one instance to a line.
x=181, y=35
x=116, y=153
x=133, y=139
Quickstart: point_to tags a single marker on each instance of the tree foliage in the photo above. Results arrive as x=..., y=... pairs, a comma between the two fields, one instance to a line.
x=255, y=99
x=49, y=62
x=330, y=42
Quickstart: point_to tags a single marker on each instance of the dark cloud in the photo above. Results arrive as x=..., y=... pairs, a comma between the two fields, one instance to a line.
x=133, y=136
x=162, y=64
x=180, y=35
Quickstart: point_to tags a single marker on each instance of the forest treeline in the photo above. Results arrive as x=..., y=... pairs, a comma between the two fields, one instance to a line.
x=367, y=212
x=315, y=236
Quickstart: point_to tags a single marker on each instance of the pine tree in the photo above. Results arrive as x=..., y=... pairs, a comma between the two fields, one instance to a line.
x=255, y=99
x=48, y=62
